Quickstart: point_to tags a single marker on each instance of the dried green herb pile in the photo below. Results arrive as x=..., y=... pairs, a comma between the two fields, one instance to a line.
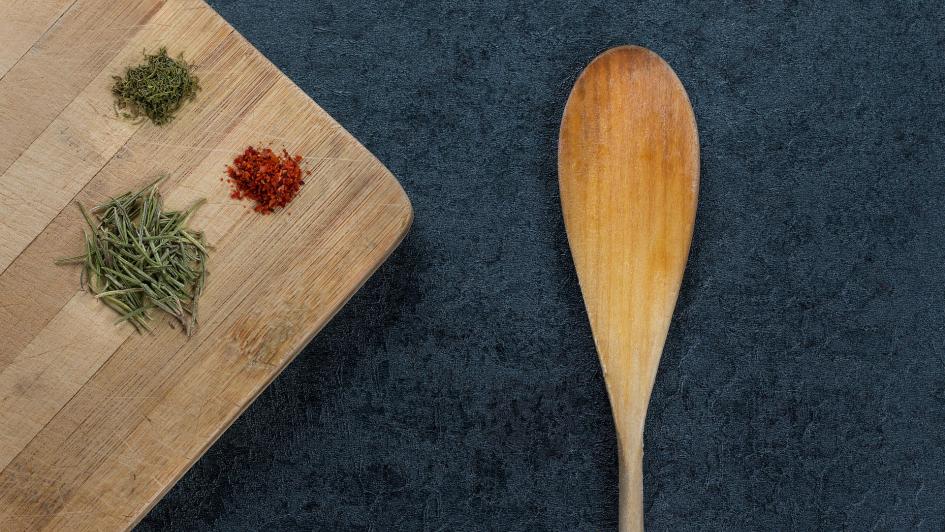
x=139, y=258
x=156, y=88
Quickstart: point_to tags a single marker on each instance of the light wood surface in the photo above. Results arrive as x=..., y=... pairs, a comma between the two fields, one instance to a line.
x=628, y=165
x=96, y=421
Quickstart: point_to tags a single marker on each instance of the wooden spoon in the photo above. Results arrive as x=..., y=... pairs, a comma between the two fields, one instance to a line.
x=628, y=167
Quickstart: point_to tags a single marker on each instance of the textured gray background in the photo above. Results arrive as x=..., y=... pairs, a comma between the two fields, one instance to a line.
x=803, y=383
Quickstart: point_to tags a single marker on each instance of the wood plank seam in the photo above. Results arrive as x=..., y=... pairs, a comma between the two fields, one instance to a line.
x=93, y=74
x=40, y=38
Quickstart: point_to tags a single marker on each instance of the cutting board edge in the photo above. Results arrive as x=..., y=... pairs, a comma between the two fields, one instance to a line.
x=406, y=199
x=298, y=89
x=394, y=244
x=408, y=222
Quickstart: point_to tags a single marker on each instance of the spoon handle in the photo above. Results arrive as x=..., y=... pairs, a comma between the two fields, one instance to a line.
x=630, y=459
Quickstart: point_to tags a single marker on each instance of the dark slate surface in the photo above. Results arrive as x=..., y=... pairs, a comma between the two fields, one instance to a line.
x=803, y=383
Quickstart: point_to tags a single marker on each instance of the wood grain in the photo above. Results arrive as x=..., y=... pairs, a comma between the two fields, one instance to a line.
x=96, y=421
x=628, y=165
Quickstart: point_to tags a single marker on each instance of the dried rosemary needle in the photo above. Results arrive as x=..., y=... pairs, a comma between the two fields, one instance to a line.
x=139, y=258
x=156, y=88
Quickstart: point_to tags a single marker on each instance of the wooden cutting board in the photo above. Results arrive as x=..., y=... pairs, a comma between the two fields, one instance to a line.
x=96, y=421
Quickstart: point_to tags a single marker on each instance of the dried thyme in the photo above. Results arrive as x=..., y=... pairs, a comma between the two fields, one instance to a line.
x=139, y=258
x=156, y=88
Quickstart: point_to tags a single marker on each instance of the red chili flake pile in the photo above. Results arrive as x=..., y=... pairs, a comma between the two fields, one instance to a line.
x=269, y=178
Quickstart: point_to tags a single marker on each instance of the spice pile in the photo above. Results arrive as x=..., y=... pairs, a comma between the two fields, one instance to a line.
x=139, y=258
x=155, y=89
x=269, y=178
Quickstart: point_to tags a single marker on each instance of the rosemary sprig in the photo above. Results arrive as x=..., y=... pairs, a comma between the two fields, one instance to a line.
x=139, y=258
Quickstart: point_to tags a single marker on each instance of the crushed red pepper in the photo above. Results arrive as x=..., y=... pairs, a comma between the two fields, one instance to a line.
x=269, y=178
